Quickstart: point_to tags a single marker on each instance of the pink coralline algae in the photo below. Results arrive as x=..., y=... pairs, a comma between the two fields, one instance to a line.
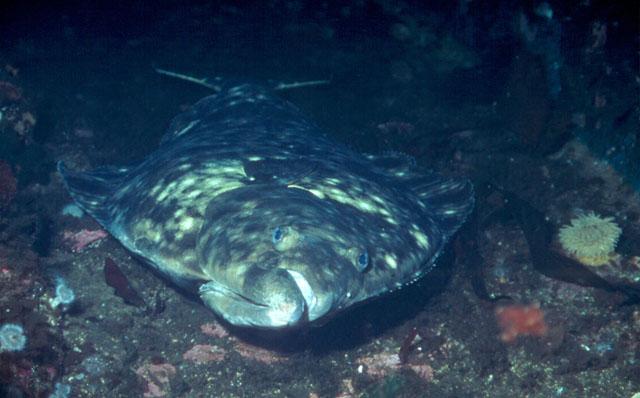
x=256, y=353
x=245, y=350
x=156, y=378
x=83, y=238
x=424, y=371
x=381, y=364
x=204, y=353
x=214, y=330
x=384, y=363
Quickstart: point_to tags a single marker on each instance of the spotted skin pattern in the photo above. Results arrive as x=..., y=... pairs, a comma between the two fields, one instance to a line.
x=273, y=224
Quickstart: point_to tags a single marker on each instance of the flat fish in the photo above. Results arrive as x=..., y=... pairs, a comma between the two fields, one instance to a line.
x=248, y=204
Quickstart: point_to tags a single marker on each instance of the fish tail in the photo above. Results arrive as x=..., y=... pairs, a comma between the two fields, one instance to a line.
x=450, y=200
x=91, y=190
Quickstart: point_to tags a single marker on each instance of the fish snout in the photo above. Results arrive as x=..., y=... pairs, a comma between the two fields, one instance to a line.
x=269, y=299
x=284, y=303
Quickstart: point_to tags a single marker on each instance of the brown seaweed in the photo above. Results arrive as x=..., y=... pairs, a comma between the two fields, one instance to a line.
x=115, y=278
x=539, y=235
x=407, y=345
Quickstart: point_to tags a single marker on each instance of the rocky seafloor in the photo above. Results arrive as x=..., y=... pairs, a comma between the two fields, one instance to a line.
x=507, y=313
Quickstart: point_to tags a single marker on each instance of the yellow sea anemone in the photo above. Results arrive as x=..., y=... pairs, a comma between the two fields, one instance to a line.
x=590, y=239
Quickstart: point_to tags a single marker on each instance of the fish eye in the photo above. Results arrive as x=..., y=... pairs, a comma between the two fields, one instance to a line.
x=285, y=238
x=277, y=235
x=362, y=261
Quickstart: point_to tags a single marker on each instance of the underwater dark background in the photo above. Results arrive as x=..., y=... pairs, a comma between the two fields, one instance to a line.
x=536, y=102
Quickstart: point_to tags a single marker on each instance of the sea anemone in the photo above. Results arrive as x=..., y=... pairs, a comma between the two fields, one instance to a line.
x=12, y=337
x=64, y=294
x=590, y=239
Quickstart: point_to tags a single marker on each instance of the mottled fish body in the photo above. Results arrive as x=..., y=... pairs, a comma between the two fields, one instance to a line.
x=274, y=225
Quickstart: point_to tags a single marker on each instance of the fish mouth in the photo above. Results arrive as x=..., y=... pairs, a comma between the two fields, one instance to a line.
x=272, y=300
x=294, y=308
x=279, y=298
x=316, y=306
x=305, y=289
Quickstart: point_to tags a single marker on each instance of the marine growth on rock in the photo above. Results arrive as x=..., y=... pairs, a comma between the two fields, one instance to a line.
x=590, y=239
x=12, y=337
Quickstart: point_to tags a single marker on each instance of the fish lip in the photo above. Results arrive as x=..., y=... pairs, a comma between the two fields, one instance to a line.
x=310, y=298
x=252, y=313
x=283, y=316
